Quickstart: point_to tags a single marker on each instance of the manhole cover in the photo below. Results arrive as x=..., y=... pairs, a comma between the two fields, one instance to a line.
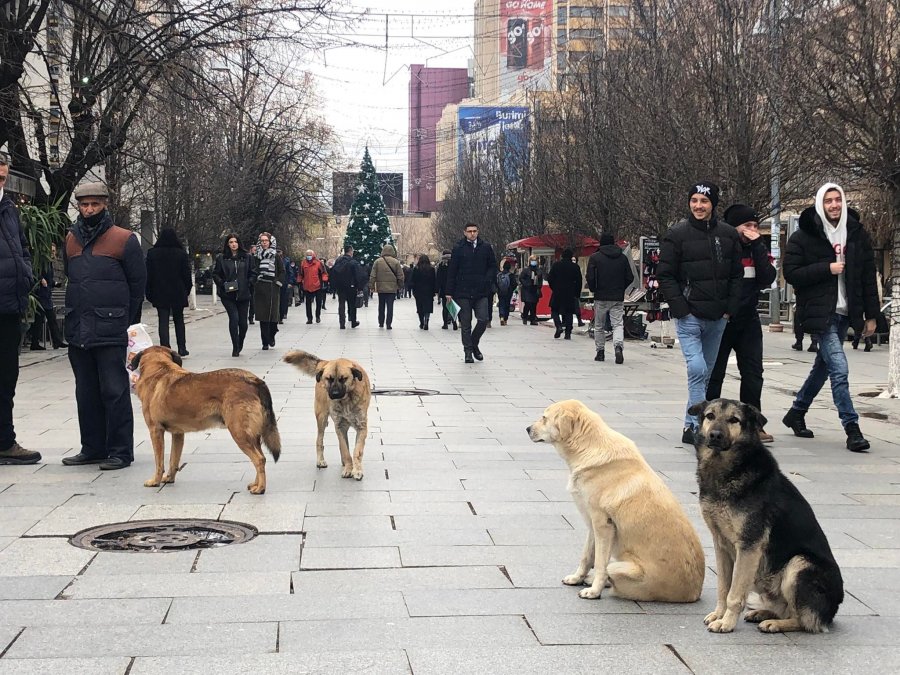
x=161, y=536
x=405, y=392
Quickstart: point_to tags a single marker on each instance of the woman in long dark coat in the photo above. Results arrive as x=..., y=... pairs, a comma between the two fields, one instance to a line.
x=234, y=274
x=168, y=284
x=424, y=285
x=267, y=290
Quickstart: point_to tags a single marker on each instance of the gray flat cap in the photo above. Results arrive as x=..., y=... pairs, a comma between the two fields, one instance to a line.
x=91, y=190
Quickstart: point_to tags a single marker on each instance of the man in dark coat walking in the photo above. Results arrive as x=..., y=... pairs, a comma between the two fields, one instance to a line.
x=168, y=285
x=470, y=278
x=15, y=282
x=107, y=279
x=743, y=334
x=609, y=274
x=700, y=275
x=565, y=283
x=441, y=280
x=347, y=278
x=830, y=263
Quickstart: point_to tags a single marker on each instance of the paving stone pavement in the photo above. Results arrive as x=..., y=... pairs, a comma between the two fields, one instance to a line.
x=447, y=557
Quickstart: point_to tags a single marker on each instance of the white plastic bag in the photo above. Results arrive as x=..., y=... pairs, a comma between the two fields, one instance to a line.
x=138, y=340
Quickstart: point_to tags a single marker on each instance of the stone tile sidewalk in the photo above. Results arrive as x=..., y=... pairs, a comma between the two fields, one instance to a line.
x=447, y=557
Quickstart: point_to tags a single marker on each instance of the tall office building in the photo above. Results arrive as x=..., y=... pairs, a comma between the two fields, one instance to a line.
x=430, y=89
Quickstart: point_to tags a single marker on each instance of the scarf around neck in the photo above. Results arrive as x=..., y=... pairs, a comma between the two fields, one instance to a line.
x=266, y=257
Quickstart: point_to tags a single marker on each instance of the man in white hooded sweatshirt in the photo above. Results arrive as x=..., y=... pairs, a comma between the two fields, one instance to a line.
x=830, y=263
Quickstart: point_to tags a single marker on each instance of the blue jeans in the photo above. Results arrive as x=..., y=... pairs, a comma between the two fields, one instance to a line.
x=699, y=340
x=830, y=363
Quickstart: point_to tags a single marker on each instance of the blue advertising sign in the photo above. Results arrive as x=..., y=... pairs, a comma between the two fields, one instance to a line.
x=497, y=133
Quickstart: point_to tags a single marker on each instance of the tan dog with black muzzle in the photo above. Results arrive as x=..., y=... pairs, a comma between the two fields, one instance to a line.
x=178, y=401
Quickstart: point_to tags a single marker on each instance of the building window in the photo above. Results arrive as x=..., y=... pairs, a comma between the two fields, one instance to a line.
x=619, y=10
x=561, y=15
x=584, y=33
x=619, y=33
x=586, y=12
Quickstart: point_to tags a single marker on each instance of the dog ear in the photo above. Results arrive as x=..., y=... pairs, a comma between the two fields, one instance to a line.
x=698, y=408
x=754, y=417
x=565, y=423
x=357, y=374
x=175, y=357
x=136, y=360
x=319, y=373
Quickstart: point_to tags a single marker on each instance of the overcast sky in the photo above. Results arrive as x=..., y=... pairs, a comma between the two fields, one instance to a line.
x=364, y=87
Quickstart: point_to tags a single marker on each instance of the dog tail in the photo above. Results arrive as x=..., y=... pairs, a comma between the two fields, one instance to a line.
x=270, y=435
x=305, y=361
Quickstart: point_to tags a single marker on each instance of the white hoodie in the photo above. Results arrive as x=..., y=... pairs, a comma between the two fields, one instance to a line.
x=837, y=235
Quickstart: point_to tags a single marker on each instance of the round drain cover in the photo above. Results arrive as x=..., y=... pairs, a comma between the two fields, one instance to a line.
x=405, y=392
x=160, y=536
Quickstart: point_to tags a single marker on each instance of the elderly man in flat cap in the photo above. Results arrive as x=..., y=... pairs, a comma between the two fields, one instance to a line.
x=105, y=267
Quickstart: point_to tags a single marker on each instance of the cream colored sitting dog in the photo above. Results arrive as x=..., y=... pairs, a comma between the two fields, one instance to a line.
x=639, y=538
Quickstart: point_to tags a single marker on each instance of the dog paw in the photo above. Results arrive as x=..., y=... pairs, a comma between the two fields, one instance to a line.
x=720, y=626
x=769, y=626
x=322, y=465
x=153, y=482
x=357, y=475
x=757, y=615
x=589, y=594
x=712, y=616
x=346, y=472
x=573, y=580
x=256, y=490
x=168, y=479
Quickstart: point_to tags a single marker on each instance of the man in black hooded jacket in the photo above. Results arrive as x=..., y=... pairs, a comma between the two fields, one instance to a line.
x=743, y=334
x=609, y=274
x=830, y=263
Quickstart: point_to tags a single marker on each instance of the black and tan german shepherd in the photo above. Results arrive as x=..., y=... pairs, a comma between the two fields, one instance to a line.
x=766, y=537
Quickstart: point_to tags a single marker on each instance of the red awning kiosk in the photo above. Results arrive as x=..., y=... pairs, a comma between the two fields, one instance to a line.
x=550, y=248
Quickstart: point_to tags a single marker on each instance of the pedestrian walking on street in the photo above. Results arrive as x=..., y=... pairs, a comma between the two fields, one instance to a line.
x=46, y=311
x=700, y=275
x=609, y=273
x=470, y=280
x=16, y=279
x=386, y=279
x=743, y=333
x=531, y=281
x=565, y=285
x=798, y=336
x=250, y=312
x=441, y=280
x=267, y=289
x=408, y=280
x=348, y=277
x=291, y=270
x=424, y=286
x=830, y=263
x=326, y=280
x=234, y=274
x=312, y=272
x=168, y=285
x=506, y=285
x=107, y=280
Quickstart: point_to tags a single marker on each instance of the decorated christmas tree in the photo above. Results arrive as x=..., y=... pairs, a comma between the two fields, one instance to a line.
x=369, y=229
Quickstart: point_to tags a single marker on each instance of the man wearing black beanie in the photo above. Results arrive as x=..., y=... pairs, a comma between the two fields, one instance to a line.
x=700, y=276
x=743, y=334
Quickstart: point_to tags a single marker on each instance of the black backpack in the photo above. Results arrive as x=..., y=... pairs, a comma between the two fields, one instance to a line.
x=503, y=283
x=340, y=273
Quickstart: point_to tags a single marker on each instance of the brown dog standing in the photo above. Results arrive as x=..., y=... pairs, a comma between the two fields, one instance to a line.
x=179, y=401
x=343, y=393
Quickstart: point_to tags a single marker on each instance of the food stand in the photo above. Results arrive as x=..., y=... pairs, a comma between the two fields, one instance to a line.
x=548, y=248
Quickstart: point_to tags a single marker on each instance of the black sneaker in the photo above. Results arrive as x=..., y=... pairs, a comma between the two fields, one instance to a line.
x=469, y=358
x=114, y=463
x=81, y=459
x=795, y=420
x=814, y=347
x=476, y=352
x=19, y=455
x=601, y=355
x=797, y=346
x=620, y=358
x=855, y=440
x=687, y=436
